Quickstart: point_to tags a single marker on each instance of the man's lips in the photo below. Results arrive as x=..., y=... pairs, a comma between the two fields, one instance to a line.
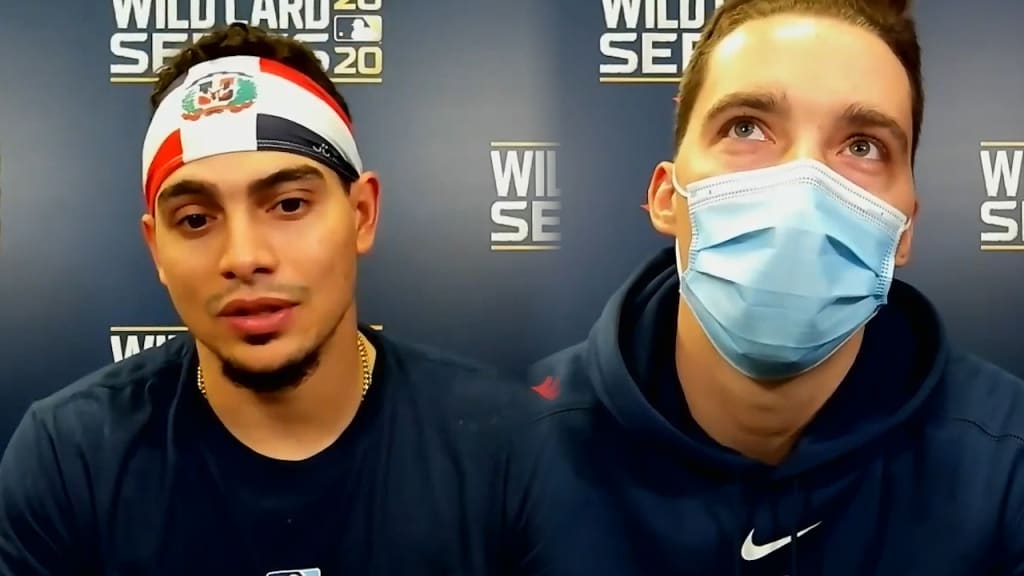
x=257, y=316
x=254, y=306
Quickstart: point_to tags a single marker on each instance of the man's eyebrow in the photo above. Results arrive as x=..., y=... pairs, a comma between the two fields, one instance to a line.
x=766, y=102
x=208, y=190
x=186, y=187
x=286, y=175
x=861, y=117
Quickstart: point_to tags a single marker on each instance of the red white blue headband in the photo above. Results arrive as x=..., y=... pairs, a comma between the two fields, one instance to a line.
x=244, y=104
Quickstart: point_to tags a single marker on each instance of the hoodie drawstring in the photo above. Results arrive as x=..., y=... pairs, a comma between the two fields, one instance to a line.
x=798, y=522
x=748, y=504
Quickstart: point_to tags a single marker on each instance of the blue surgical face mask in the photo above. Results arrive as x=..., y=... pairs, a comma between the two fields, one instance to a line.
x=786, y=264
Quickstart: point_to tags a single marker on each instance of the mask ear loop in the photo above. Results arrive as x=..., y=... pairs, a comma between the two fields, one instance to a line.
x=906, y=226
x=679, y=263
x=682, y=191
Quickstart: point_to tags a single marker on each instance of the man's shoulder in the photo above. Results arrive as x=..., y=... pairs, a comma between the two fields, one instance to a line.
x=979, y=394
x=568, y=377
x=454, y=383
x=116, y=394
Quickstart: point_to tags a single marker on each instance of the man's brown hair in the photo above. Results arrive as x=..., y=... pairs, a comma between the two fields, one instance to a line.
x=240, y=39
x=889, y=19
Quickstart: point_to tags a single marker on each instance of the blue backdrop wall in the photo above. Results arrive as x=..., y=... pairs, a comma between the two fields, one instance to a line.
x=515, y=141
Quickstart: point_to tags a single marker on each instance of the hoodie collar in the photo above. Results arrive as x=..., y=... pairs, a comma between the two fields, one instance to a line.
x=631, y=353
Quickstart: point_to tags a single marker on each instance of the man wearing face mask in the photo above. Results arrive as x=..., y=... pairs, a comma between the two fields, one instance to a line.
x=763, y=397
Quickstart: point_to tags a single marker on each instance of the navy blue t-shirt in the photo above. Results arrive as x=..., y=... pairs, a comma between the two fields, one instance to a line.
x=129, y=472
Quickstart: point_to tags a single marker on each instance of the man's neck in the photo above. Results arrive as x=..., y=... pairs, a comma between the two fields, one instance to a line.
x=299, y=422
x=761, y=421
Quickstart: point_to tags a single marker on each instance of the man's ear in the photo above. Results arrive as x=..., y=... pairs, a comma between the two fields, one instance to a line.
x=661, y=199
x=148, y=227
x=903, y=248
x=365, y=197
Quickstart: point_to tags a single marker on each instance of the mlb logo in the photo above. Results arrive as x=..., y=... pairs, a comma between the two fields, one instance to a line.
x=306, y=572
x=365, y=28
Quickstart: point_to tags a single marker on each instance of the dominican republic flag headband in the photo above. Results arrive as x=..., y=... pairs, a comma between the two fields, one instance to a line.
x=244, y=104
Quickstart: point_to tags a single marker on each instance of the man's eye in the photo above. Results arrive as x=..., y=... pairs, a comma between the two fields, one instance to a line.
x=865, y=148
x=292, y=206
x=289, y=205
x=193, y=221
x=746, y=130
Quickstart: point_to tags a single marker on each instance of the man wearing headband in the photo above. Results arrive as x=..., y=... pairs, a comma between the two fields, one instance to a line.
x=762, y=397
x=279, y=436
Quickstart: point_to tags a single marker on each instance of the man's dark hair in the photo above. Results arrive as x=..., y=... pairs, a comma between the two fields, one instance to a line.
x=239, y=39
x=889, y=19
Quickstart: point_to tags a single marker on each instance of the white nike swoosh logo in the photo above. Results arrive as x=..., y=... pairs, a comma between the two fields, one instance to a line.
x=751, y=551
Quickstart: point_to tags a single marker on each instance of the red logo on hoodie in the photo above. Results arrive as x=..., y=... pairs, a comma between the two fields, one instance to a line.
x=549, y=388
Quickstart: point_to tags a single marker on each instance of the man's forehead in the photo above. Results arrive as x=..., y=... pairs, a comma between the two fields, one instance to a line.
x=216, y=176
x=241, y=168
x=808, y=59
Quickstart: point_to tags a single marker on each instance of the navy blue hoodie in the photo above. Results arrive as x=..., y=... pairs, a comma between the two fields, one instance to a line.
x=913, y=467
x=128, y=472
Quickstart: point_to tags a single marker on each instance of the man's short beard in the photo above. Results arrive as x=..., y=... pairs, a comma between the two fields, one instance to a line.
x=288, y=375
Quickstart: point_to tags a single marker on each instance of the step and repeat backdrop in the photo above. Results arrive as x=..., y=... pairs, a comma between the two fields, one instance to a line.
x=514, y=140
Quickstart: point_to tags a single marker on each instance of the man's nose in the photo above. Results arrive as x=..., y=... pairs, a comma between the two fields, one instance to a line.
x=247, y=251
x=808, y=148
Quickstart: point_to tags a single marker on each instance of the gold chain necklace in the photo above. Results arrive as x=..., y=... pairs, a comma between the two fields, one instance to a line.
x=364, y=359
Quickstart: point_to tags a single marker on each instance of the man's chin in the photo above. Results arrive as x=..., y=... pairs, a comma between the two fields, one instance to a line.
x=265, y=353
x=264, y=377
x=269, y=367
x=261, y=340
x=255, y=368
